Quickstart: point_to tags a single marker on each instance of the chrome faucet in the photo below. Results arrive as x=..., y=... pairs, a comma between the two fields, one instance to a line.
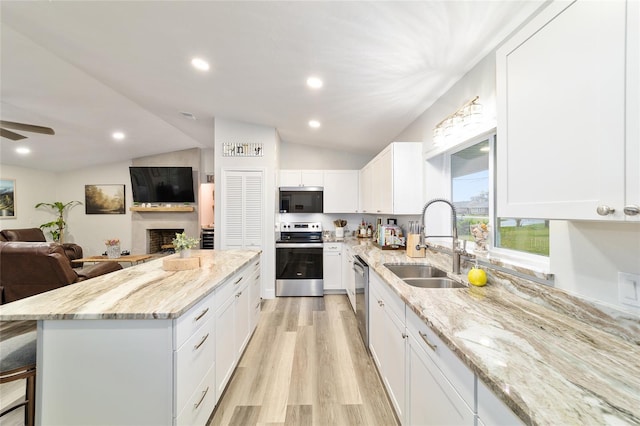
x=455, y=251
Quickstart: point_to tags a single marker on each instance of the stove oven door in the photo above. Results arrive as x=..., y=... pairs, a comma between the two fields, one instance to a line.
x=299, y=269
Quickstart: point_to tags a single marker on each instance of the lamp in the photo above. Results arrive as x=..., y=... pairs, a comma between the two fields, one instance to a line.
x=459, y=122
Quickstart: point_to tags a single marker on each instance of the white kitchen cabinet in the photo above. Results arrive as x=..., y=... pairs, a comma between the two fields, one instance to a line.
x=232, y=325
x=255, y=296
x=441, y=389
x=492, y=410
x=348, y=277
x=391, y=183
x=332, y=267
x=242, y=211
x=340, y=191
x=387, y=340
x=565, y=83
x=301, y=178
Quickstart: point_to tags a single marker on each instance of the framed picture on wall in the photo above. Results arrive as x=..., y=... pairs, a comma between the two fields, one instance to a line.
x=7, y=198
x=104, y=199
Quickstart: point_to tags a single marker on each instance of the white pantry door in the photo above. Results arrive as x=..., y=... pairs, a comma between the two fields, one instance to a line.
x=242, y=210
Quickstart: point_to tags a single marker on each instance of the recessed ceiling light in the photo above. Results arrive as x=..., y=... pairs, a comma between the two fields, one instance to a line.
x=314, y=124
x=314, y=82
x=23, y=150
x=200, y=64
x=118, y=136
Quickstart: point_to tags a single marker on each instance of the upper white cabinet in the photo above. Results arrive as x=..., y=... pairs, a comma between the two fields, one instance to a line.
x=567, y=87
x=391, y=183
x=340, y=191
x=301, y=178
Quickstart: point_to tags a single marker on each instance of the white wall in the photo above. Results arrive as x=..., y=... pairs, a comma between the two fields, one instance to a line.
x=304, y=157
x=585, y=256
x=233, y=131
x=91, y=230
x=32, y=187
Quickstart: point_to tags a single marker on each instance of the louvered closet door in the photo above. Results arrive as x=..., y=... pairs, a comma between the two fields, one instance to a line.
x=242, y=211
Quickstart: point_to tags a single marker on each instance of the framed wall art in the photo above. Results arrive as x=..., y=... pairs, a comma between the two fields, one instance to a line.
x=7, y=198
x=104, y=199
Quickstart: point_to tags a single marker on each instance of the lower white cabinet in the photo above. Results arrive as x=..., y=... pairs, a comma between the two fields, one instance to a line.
x=255, y=295
x=426, y=382
x=492, y=411
x=440, y=387
x=348, y=277
x=332, y=266
x=232, y=324
x=387, y=341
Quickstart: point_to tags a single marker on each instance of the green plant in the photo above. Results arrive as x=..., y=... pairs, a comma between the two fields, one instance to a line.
x=182, y=242
x=58, y=225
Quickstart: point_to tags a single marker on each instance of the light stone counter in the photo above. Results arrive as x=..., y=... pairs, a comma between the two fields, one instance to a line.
x=144, y=291
x=553, y=358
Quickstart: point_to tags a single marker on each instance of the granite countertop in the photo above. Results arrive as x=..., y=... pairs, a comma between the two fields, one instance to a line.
x=144, y=291
x=551, y=357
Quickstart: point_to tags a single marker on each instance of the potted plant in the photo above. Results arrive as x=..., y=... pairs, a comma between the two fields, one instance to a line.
x=58, y=225
x=183, y=244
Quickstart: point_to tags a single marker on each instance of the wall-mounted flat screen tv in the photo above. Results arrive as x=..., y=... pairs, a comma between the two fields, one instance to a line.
x=162, y=184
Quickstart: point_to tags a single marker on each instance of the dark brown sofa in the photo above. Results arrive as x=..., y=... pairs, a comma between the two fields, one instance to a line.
x=73, y=251
x=30, y=268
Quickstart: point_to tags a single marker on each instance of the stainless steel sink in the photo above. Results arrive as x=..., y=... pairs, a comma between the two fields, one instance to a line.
x=409, y=270
x=433, y=283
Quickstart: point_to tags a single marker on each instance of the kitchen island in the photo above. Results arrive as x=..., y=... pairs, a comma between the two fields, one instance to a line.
x=138, y=346
x=551, y=358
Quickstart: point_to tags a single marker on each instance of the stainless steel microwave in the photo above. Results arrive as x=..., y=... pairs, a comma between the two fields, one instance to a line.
x=301, y=199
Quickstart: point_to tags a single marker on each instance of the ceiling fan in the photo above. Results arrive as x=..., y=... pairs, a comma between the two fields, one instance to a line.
x=4, y=125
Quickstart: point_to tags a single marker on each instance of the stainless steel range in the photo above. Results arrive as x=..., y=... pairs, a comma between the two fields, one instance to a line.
x=299, y=260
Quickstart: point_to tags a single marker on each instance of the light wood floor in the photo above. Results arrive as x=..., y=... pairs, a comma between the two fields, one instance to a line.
x=305, y=365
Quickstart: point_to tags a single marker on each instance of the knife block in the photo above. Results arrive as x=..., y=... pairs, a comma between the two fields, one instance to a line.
x=412, y=241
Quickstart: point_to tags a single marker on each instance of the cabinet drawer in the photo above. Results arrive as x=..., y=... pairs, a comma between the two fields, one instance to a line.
x=332, y=247
x=193, y=360
x=188, y=323
x=201, y=403
x=460, y=376
x=392, y=302
x=230, y=288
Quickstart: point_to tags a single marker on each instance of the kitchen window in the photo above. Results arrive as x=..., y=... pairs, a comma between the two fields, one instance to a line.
x=473, y=193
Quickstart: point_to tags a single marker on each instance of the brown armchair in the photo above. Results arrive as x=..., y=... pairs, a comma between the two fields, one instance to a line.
x=30, y=268
x=73, y=251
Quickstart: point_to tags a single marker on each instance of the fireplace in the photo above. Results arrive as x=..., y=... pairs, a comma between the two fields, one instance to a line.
x=159, y=240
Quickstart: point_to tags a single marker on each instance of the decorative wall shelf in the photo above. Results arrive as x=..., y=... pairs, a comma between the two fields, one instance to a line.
x=163, y=209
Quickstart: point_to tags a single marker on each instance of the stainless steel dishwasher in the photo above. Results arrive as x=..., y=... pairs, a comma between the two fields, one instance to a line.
x=361, y=271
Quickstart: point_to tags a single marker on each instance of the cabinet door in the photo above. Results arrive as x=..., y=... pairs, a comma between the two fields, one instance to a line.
x=242, y=323
x=394, y=362
x=633, y=108
x=225, y=343
x=348, y=277
x=290, y=178
x=492, y=411
x=332, y=270
x=432, y=399
x=366, y=189
x=341, y=191
x=561, y=118
x=383, y=182
x=312, y=178
x=242, y=214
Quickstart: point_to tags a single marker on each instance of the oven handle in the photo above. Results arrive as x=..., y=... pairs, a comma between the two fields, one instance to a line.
x=299, y=245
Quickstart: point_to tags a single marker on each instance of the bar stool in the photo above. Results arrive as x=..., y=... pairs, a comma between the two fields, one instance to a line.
x=18, y=361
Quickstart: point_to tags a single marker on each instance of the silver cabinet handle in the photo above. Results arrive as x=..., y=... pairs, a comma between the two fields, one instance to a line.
x=380, y=302
x=237, y=281
x=203, y=313
x=238, y=295
x=405, y=335
x=605, y=210
x=631, y=210
x=204, y=338
x=433, y=346
x=204, y=393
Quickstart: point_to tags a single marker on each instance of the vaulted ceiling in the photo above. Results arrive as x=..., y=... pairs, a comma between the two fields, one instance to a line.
x=87, y=69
